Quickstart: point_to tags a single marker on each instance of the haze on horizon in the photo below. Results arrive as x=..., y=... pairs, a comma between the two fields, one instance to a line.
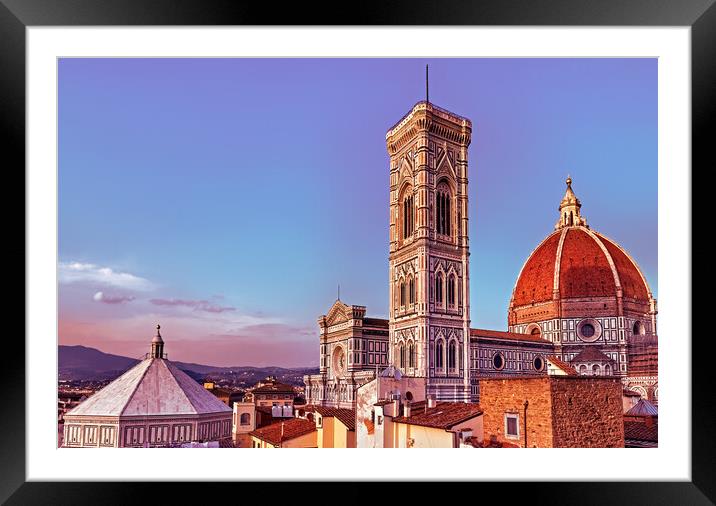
x=227, y=198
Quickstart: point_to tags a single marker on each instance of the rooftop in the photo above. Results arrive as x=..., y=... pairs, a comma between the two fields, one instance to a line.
x=346, y=416
x=291, y=427
x=155, y=386
x=643, y=408
x=639, y=431
x=591, y=354
x=274, y=388
x=564, y=366
x=444, y=415
x=511, y=336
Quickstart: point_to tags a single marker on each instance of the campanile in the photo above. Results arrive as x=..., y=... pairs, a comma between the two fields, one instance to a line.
x=429, y=329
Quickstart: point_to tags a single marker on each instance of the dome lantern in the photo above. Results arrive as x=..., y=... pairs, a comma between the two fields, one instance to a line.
x=570, y=210
x=157, y=345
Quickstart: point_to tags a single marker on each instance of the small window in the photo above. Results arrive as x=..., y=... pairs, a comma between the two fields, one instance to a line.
x=498, y=361
x=587, y=330
x=512, y=426
x=538, y=363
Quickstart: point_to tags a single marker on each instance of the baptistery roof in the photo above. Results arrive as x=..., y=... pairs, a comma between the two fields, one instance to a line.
x=153, y=387
x=577, y=262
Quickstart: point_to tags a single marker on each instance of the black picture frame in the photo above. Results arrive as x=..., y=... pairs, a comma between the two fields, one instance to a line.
x=16, y=15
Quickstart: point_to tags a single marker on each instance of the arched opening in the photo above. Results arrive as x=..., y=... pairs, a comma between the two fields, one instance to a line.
x=443, y=216
x=583, y=370
x=452, y=356
x=245, y=419
x=638, y=329
x=439, y=354
x=451, y=290
x=411, y=355
x=411, y=290
x=439, y=288
x=402, y=356
x=607, y=370
x=536, y=332
x=596, y=370
x=402, y=293
x=571, y=218
x=408, y=215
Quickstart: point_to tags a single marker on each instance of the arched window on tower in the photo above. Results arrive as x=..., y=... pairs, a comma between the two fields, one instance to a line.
x=447, y=214
x=439, y=288
x=451, y=290
x=411, y=290
x=452, y=356
x=408, y=216
x=402, y=293
x=402, y=356
x=443, y=221
x=411, y=355
x=440, y=354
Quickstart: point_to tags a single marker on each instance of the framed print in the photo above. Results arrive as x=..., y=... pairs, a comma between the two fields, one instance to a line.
x=213, y=197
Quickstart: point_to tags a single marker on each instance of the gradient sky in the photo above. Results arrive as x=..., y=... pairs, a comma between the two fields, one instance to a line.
x=227, y=198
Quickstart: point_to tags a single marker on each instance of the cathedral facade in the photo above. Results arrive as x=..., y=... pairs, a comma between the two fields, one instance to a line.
x=580, y=300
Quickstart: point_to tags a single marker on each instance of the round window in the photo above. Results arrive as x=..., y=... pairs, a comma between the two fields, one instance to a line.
x=589, y=330
x=538, y=363
x=498, y=361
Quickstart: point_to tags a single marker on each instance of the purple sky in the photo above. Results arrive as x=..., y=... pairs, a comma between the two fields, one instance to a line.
x=227, y=198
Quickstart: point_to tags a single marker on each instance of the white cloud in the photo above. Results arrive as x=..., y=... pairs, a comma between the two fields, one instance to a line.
x=78, y=272
x=112, y=299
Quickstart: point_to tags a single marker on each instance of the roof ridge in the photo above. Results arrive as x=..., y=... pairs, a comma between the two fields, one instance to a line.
x=136, y=385
x=171, y=372
x=610, y=260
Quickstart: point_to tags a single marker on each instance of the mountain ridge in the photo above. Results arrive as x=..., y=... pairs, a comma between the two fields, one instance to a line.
x=78, y=362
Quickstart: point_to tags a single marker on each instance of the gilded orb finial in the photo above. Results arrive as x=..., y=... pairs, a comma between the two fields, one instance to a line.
x=569, y=180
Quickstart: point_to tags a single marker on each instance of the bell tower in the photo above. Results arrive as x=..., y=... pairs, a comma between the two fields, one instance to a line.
x=429, y=328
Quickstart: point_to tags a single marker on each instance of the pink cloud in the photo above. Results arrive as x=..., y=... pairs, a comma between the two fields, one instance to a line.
x=197, y=305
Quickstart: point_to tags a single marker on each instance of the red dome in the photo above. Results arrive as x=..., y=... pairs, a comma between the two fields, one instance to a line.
x=578, y=263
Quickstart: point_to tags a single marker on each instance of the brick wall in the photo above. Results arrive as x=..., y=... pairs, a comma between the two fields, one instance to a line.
x=500, y=396
x=563, y=411
x=587, y=412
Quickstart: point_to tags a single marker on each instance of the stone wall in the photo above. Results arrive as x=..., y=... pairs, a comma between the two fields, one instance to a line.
x=587, y=412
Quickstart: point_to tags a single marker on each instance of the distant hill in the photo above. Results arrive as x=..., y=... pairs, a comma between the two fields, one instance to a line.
x=83, y=363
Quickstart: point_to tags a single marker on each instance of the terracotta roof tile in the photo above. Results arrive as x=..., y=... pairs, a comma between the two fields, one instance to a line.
x=591, y=354
x=638, y=431
x=444, y=415
x=537, y=277
x=274, y=388
x=375, y=322
x=562, y=365
x=584, y=268
x=629, y=277
x=346, y=416
x=292, y=428
x=511, y=336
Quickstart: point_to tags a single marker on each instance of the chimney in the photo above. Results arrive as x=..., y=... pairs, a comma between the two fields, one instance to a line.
x=406, y=409
x=431, y=401
x=281, y=431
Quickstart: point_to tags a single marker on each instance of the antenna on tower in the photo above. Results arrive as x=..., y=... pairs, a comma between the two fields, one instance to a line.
x=427, y=86
x=339, y=291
